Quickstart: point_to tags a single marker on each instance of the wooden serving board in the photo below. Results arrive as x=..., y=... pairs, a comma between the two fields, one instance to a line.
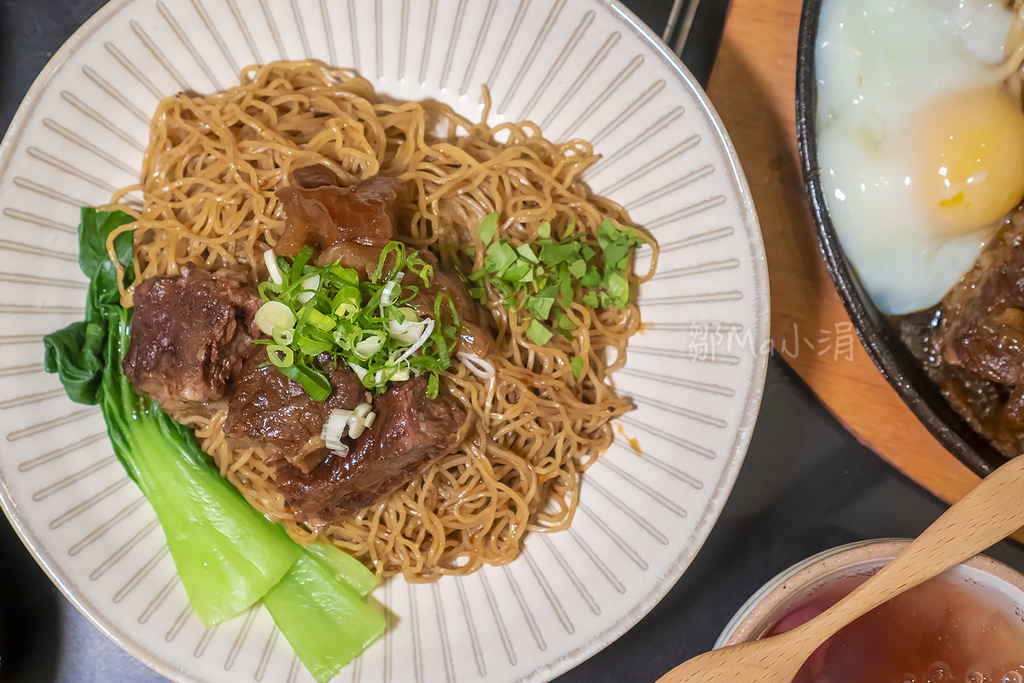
x=753, y=88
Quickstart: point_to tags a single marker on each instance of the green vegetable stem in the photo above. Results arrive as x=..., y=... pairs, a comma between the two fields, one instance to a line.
x=227, y=554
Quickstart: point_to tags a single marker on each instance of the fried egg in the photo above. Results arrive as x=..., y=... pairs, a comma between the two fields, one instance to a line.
x=921, y=149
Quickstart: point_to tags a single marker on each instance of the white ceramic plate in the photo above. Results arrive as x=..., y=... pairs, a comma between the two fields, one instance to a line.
x=577, y=67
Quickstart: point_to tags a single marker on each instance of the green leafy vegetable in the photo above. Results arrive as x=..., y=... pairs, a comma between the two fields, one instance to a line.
x=368, y=326
x=227, y=554
x=77, y=353
x=488, y=226
x=93, y=232
x=543, y=278
x=344, y=567
x=537, y=333
x=325, y=620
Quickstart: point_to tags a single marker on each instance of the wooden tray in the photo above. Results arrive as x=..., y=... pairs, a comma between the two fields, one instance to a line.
x=753, y=87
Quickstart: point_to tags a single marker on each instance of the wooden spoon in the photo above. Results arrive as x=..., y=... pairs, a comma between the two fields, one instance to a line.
x=989, y=512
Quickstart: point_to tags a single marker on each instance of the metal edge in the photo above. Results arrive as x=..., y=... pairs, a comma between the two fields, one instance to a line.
x=877, y=335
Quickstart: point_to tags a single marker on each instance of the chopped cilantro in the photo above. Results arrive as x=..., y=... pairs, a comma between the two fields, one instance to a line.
x=618, y=289
x=537, y=333
x=553, y=254
x=540, y=306
x=592, y=278
x=487, y=227
x=543, y=277
x=499, y=257
x=526, y=252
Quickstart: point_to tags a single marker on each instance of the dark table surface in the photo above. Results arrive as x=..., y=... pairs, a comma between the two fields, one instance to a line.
x=806, y=484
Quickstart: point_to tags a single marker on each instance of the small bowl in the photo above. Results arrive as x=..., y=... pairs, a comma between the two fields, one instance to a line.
x=780, y=596
x=876, y=333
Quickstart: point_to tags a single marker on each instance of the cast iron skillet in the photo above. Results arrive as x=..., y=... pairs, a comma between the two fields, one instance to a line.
x=879, y=337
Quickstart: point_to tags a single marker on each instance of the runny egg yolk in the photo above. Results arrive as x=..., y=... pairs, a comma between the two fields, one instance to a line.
x=969, y=148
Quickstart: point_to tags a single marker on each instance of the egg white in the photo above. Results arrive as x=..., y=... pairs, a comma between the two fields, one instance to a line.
x=879, y=63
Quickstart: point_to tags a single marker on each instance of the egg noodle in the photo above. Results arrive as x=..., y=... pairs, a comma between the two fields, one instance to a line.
x=207, y=197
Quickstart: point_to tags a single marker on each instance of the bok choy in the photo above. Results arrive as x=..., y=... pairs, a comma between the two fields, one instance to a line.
x=227, y=554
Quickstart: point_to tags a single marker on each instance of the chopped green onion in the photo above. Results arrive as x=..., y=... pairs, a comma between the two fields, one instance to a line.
x=300, y=260
x=364, y=325
x=428, y=328
x=355, y=421
x=312, y=347
x=279, y=355
x=576, y=365
x=368, y=347
x=307, y=288
x=407, y=331
x=318, y=319
x=396, y=247
x=271, y=260
x=393, y=374
x=274, y=314
x=315, y=384
x=347, y=308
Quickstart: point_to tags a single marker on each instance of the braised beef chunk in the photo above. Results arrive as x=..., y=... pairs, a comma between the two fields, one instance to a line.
x=358, y=257
x=324, y=215
x=316, y=175
x=408, y=434
x=190, y=334
x=972, y=343
x=473, y=338
x=988, y=336
x=979, y=361
x=268, y=408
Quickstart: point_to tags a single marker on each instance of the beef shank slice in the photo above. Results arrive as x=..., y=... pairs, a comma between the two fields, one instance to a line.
x=324, y=215
x=270, y=409
x=409, y=433
x=190, y=334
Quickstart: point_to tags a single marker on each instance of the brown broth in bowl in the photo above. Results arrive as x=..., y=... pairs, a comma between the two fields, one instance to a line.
x=952, y=629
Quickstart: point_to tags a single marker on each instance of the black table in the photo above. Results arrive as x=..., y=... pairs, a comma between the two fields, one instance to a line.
x=806, y=485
